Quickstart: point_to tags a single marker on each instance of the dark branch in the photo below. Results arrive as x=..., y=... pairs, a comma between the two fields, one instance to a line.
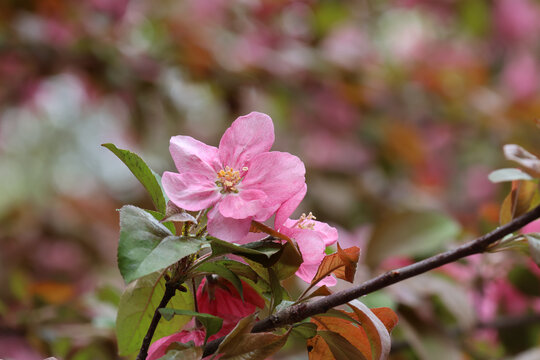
x=301, y=311
x=170, y=289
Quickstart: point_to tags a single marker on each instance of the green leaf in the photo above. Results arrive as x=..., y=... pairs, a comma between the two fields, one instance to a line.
x=306, y=330
x=136, y=309
x=146, y=245
x=509, y=174
x=533, y=239
x=266, y=253
x=410, y=233
x=340, y=347
x=288, y=263
x=211, y=323
x=239, y=269
x=275, y=286
x=224, y=272
x=142, y=172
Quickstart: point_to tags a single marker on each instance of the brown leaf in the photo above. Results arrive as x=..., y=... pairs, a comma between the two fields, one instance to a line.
x=318, y=348
x=242, y=344
x=387, y=316
x=342, y=264
x=322, y=291
x=372, y=339
x=376, y=332
x=257, y=227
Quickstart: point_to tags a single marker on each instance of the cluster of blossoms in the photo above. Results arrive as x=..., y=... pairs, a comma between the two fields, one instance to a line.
x=241, y=181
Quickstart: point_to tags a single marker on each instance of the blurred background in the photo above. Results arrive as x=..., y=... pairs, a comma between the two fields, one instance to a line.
x=398, y=108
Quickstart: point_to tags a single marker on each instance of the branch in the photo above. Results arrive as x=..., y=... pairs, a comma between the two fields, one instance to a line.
x=296, y=313
x=170, y=289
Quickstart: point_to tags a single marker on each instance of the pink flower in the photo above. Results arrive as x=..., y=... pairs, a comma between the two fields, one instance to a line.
x=159, y=347
x=311, y=236
x=241, y=180
x=220, y=298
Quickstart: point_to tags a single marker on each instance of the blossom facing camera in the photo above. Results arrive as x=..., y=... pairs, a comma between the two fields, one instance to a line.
x=239, y=181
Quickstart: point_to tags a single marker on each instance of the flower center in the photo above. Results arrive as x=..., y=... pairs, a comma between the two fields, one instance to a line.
x=228, y=178
x=305, y=221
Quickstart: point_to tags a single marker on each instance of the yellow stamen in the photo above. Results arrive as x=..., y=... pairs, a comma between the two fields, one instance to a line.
x=228, y=178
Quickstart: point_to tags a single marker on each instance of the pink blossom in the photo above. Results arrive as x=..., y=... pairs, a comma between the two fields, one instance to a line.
x=159, y=347
x=531, y=227
x=222, y=299
x=311, y=236
x=241, y=179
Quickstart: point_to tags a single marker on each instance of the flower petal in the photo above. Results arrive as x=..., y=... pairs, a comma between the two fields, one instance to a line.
x=190, y=191
x=288, y=207
x=227, y=229
x=248, y=136
x=311, y=246
x=328, y=233
x=191, y=155
x=242, y=205
x=280, y=175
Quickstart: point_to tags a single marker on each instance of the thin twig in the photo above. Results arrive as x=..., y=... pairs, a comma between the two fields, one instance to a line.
x=170, y=289
x=298, y=312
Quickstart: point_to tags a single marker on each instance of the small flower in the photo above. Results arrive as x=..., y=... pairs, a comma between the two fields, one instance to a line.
x=241, y=180
x=311, y=236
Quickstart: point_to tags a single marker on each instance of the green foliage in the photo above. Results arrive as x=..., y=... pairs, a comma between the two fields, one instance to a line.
x=266, y=253
x=533, y=239
x=136, y=309
x=410, y=233
x=149, y=179
x=146, y=245
x=306, y=330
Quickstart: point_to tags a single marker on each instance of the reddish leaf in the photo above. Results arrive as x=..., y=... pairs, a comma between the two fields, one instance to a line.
x=387, y=316
x=342, y=264
x=372, y=339
x=318, y=349
x=376, y=332
x=322, y=291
